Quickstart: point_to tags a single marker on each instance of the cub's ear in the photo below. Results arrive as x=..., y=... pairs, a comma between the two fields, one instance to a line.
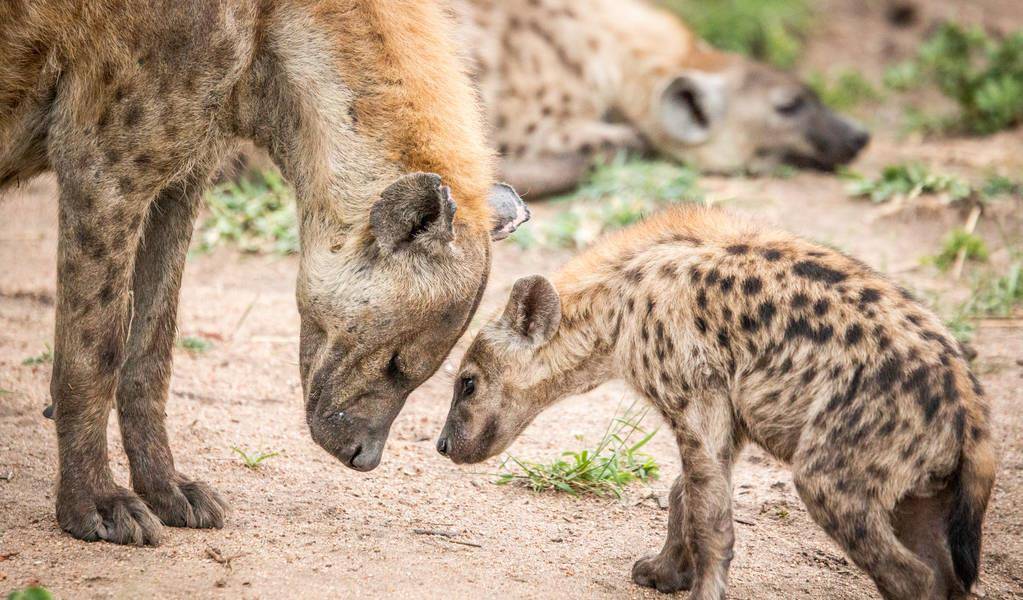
x=533, y=310
x=414, y=211
x=508, y=209
x=690, y=106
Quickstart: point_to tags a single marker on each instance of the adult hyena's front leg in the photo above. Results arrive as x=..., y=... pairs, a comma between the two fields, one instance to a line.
x=99, y=233
x=145, y=378
x=672, y=569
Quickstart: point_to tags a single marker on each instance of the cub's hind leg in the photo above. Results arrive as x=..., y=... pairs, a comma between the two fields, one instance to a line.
x=145, y=378
x=921, y=523
x=672, y=569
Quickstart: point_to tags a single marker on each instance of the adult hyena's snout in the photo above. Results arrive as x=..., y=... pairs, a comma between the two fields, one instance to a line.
x=355, y=432
x=836, y=140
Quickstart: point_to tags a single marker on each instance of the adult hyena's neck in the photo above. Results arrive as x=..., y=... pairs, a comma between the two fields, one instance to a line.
x=349, y=94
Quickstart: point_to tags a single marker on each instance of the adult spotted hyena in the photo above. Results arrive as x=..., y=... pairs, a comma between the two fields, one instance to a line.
x=740, y=335
x=368, y=113
x=563, y=80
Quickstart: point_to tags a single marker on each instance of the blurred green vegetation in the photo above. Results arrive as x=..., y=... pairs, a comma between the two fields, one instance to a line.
x=613, y=195
x=769, y=30
x=907, y=181
x=256, y=213
x=845, y=90
x=982, y=74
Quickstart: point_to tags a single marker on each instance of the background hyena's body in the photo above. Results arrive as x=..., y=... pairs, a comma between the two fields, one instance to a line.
x=363, y=105
x=737, y=335
x=565, y=79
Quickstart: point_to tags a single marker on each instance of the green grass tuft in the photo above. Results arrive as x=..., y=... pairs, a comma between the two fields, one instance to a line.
x=983, y=75
x=255, y=214
x=604, y=470
x=958, y=240
x=44, y=357
x=254, y=460
x=195, y=345
x=769, y=30
x=997, y=295
x=34, y=592
x=906, y=181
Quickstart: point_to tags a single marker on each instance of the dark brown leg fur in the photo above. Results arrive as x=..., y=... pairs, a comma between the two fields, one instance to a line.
x=672, y=569
x=863, y=528
x=921, y=524
x=145, y=377
x=99, y=234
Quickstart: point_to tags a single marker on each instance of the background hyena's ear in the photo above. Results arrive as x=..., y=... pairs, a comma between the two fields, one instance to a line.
x=691, y=104
x=416, y=210
x=508, y=209
x=534, y=309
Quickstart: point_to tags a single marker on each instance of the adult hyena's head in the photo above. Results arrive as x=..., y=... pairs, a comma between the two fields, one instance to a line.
x=381, y=309
x=746, y=115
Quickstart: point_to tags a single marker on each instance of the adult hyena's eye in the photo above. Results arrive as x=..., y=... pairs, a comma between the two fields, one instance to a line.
x=468, y=386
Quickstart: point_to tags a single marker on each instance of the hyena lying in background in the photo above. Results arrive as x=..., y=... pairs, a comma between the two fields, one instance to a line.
x=738, y=334
x=565, y=80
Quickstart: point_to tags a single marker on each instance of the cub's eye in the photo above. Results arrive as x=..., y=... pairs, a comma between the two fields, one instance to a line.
x=792, y=106
x=468, y=386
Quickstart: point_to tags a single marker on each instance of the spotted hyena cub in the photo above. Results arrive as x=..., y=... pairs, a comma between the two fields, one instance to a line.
x=741, y=334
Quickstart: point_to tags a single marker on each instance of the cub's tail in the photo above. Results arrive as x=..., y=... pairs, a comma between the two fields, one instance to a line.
x=971, y=489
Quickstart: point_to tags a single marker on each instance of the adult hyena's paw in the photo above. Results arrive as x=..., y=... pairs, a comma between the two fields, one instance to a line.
x=187, y=503
x=661, y=574
x=117, y=516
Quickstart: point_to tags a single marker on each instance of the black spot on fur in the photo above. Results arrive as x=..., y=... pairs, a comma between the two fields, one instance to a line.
x=888, y=373
x=701, y=324
x=799, y=300
x=727, y=283
x=766, y=311
x=770, y=254
x=854, y=334
x=801, y=328
x=695, y=275
x=869, y=296
x=820, y=308
x=748, y=323
x=701, y=298
x=723, y=337
x=816, y=271
x=752, y=286
x=133, y=115
x=737, y=249
x=712, y=277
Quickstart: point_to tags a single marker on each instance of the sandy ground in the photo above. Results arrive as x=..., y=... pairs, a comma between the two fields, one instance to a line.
x=303, y=525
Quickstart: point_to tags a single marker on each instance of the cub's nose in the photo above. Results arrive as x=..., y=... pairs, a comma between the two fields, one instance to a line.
x=442, y=445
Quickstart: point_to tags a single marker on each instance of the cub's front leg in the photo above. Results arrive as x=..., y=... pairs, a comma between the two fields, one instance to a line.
x=672, y=569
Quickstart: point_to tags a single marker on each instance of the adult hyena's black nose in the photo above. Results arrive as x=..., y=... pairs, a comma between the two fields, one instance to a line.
x=443, y=445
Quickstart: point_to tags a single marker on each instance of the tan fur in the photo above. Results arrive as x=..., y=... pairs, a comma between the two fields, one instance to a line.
x=742, y=334
x=565, y=81
x=365, y=107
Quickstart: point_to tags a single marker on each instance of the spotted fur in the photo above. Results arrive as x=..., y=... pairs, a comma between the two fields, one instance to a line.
x=739, y=334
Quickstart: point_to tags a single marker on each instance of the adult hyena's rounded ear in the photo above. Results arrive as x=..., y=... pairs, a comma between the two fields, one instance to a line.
x=533, y=310
x=414, y=211
x=691, y=104
x=508, y=209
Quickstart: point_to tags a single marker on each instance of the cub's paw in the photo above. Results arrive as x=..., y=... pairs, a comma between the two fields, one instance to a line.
x=117, y=516
x=183, y=502
x=661, y=574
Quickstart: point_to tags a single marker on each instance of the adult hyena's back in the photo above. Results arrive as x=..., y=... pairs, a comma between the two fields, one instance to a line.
x=145, y=72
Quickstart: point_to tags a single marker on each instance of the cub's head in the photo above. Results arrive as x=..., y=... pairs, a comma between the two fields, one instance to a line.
x=499, y=388
x=744, y=115
x=382, y=307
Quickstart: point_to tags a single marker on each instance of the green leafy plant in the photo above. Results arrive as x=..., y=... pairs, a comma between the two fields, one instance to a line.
x=195, y=345
x=957, y=241
x=44, y=357
x=906, y=181
x=34, y=592
x=997, y=295
x=848, y=89
x=981, y=74
x=606, y=469
x=770, y=30
x=617, y=194
x=255, y=213
x=255, y=459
